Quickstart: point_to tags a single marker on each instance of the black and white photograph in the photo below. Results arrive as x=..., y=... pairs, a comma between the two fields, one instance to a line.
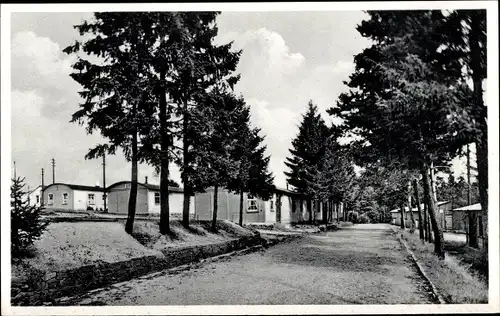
x=253, y=158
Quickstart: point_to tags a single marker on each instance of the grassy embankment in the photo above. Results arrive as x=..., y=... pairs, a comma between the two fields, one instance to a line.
x=461, y=278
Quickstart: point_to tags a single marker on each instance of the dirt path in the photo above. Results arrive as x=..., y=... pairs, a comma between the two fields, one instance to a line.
x=363, y=264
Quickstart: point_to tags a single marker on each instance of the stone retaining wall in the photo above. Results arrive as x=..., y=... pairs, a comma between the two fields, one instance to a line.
x=40, y=288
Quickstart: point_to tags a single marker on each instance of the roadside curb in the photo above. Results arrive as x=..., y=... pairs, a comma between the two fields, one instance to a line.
x=68, y=300
x=276, y=239
x=46, y=288
x=420, y=269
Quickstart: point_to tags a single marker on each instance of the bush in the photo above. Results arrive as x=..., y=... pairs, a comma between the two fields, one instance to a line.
x=363, y=219
x=373, y=216
x=26, y=222
x=352, y=216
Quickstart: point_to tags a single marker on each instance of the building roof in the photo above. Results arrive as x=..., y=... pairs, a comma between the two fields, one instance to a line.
x=36, y=188
x=473, y=207
x=78, y=187
x=415, y=209
x=152, y=187
x=281, y=190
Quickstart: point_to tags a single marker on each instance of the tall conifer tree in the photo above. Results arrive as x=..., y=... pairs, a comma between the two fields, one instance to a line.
x=307, y=151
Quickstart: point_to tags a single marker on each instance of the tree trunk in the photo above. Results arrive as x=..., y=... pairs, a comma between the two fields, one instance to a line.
x=438, y=233
x=412, y=218
x=482, y=170
x=301, y=208
x=482, y=139
x=337, y=209
x=309, y=208
x=402, y=212
x=431, y=235
x=214, y=215
x=241, y=207
x=129, y=225
x=330, y=211
x=185, y=165
x=473, y=242
x=426, y=223
x=419, y=208
x=164, y=161
x=164, y=195
x=325, y=213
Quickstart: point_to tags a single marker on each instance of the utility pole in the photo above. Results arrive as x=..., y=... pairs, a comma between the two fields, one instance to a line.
x=15, y=171
x=53, y=170
x=469, y=195
x=104, y=180
x=43, y=186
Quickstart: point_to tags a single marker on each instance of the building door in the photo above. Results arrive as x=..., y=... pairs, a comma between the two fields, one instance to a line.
x=448, y=222
x=278, y=208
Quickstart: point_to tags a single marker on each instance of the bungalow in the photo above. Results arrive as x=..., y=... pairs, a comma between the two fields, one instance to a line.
x=443, y=216
x=73, y=197
x=461, y=219
x=255, y=210
x=284, y=206
x=148, y=199
x=35, y=196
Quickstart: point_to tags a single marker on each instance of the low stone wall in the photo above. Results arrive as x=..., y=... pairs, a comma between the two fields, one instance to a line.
x=40, y=288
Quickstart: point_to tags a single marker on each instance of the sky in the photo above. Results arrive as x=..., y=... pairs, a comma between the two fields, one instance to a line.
x=288, y=59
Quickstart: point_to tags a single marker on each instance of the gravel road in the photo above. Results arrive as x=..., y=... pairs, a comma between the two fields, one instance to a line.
x=362, y=264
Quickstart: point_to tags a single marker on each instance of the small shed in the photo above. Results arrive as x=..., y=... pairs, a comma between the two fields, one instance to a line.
x=443, y=216
x=148, y=199
x=460, y=217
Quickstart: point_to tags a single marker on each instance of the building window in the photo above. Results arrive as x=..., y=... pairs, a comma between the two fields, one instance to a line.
x=51, y=199
x=272, y=205
x=65, y=198
x=38, y=198
x=252, y=204
x=91, y=199
x=157, y=198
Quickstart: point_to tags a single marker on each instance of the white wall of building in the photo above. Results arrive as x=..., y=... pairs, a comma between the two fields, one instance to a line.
x=175, y=199
x=286, y=209
x=81, y=200
x=270, y=209
x=35, y=197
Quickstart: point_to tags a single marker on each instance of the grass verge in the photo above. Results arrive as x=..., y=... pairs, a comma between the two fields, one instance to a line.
x=456, y=281
x=148, y=234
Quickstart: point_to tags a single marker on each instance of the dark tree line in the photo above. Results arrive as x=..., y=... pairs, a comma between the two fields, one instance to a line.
x=155, y=85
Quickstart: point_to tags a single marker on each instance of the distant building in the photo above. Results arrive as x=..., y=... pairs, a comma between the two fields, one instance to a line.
x=284, y=206
x=148, y=199
x=461, y=220
x=444, y=215
x=73, y=197
x=35, y=196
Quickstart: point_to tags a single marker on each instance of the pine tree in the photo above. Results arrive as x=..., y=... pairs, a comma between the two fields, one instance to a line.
x=249, y=154
x=335, y=175
x=117, y=95
x=27, y=224
x=406, y=97
x=214, y=125
x=196, y=65
x=307, y=151
x=467, y=42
